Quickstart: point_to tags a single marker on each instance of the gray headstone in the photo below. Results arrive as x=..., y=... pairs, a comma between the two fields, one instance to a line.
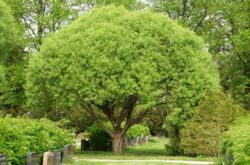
x=137, y=141
x=33, y=158
x=56, y=157
x=147, y=139
x=3, y=159
x=68, y=152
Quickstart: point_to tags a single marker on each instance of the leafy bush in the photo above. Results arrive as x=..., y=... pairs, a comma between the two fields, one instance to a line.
x=137, y=130
x=203, y=132
x=20, y=136
x=99, y=140
x=236, y=144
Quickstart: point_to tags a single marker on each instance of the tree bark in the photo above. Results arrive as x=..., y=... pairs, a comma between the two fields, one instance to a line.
x=117, y=144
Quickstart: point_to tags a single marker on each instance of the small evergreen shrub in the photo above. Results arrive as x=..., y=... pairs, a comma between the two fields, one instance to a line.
x=203, y=133
x=99, y=139
x=137, y=130
x=236, y=144
x=19, y=136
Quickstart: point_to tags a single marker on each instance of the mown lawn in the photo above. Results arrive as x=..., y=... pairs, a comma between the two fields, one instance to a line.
x=154, y=150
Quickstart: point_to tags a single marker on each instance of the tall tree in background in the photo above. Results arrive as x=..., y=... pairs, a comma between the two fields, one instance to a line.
x=42, y=16
x=11, y=83
x=225, y=27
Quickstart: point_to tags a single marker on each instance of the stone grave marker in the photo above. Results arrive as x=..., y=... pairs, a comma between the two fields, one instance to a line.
x=56, y=157
x=33, y=158
x=3, y=159
x=47, y=158
x=137, y=141
x=147, y=139
x=68, y=152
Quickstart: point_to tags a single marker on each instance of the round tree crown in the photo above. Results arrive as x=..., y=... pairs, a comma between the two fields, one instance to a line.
x=111, y=53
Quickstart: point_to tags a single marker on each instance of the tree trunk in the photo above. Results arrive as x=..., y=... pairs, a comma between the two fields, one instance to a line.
x=117, y=144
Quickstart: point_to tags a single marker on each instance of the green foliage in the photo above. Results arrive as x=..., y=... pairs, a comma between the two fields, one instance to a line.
x=125, y=3
x=173, y=147
x=99, y=140
x=37, y=18
x=225, y=27
x=202, y=134
x=236, y=144
x=20, y=136
x=120, y=54
x=155, y=120
x=12, y=96
x=78, y=119
x=137, y=130
x=8, y=33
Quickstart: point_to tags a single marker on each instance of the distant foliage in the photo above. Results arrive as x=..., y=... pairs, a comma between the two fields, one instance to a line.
x=138, y=130
x=8, y=32
x=203, y=133
x=236, y=145
x=12, y=96
x=20, y=136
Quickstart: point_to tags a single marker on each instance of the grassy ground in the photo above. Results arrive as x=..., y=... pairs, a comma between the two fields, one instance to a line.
x=145, y=163
x=154, y=150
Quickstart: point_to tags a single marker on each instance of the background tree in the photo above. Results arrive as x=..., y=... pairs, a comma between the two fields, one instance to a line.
x=119, y=63
x=225, y=26
x=8, y=34
x=41, y=17
x=11, y=83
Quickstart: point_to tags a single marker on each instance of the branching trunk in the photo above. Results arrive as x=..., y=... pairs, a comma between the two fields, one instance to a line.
x=117, y=144
x=125, y=115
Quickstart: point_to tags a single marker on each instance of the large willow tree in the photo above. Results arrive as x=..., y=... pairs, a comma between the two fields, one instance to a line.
x=119, y=64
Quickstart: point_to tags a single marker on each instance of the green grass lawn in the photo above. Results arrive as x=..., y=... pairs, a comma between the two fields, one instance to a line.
x=100, y=163
x=154, y=150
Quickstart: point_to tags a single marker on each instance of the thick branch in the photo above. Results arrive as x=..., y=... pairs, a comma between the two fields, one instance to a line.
x=108, y=110
x=98, y=120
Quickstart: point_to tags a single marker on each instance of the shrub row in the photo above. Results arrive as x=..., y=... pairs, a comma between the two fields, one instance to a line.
x=20, y=136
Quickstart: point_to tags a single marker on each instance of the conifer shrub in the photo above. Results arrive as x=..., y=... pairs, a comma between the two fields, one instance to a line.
x=203, y=133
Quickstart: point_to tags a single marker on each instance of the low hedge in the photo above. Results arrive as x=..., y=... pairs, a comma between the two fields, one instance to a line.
x=19, y=136
x=236, y=145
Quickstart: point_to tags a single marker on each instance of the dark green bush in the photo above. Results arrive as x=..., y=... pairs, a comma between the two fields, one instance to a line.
x=137, y=130
x=203, y=133
x=99, y=140
x=18, y=136
x=236, y=144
